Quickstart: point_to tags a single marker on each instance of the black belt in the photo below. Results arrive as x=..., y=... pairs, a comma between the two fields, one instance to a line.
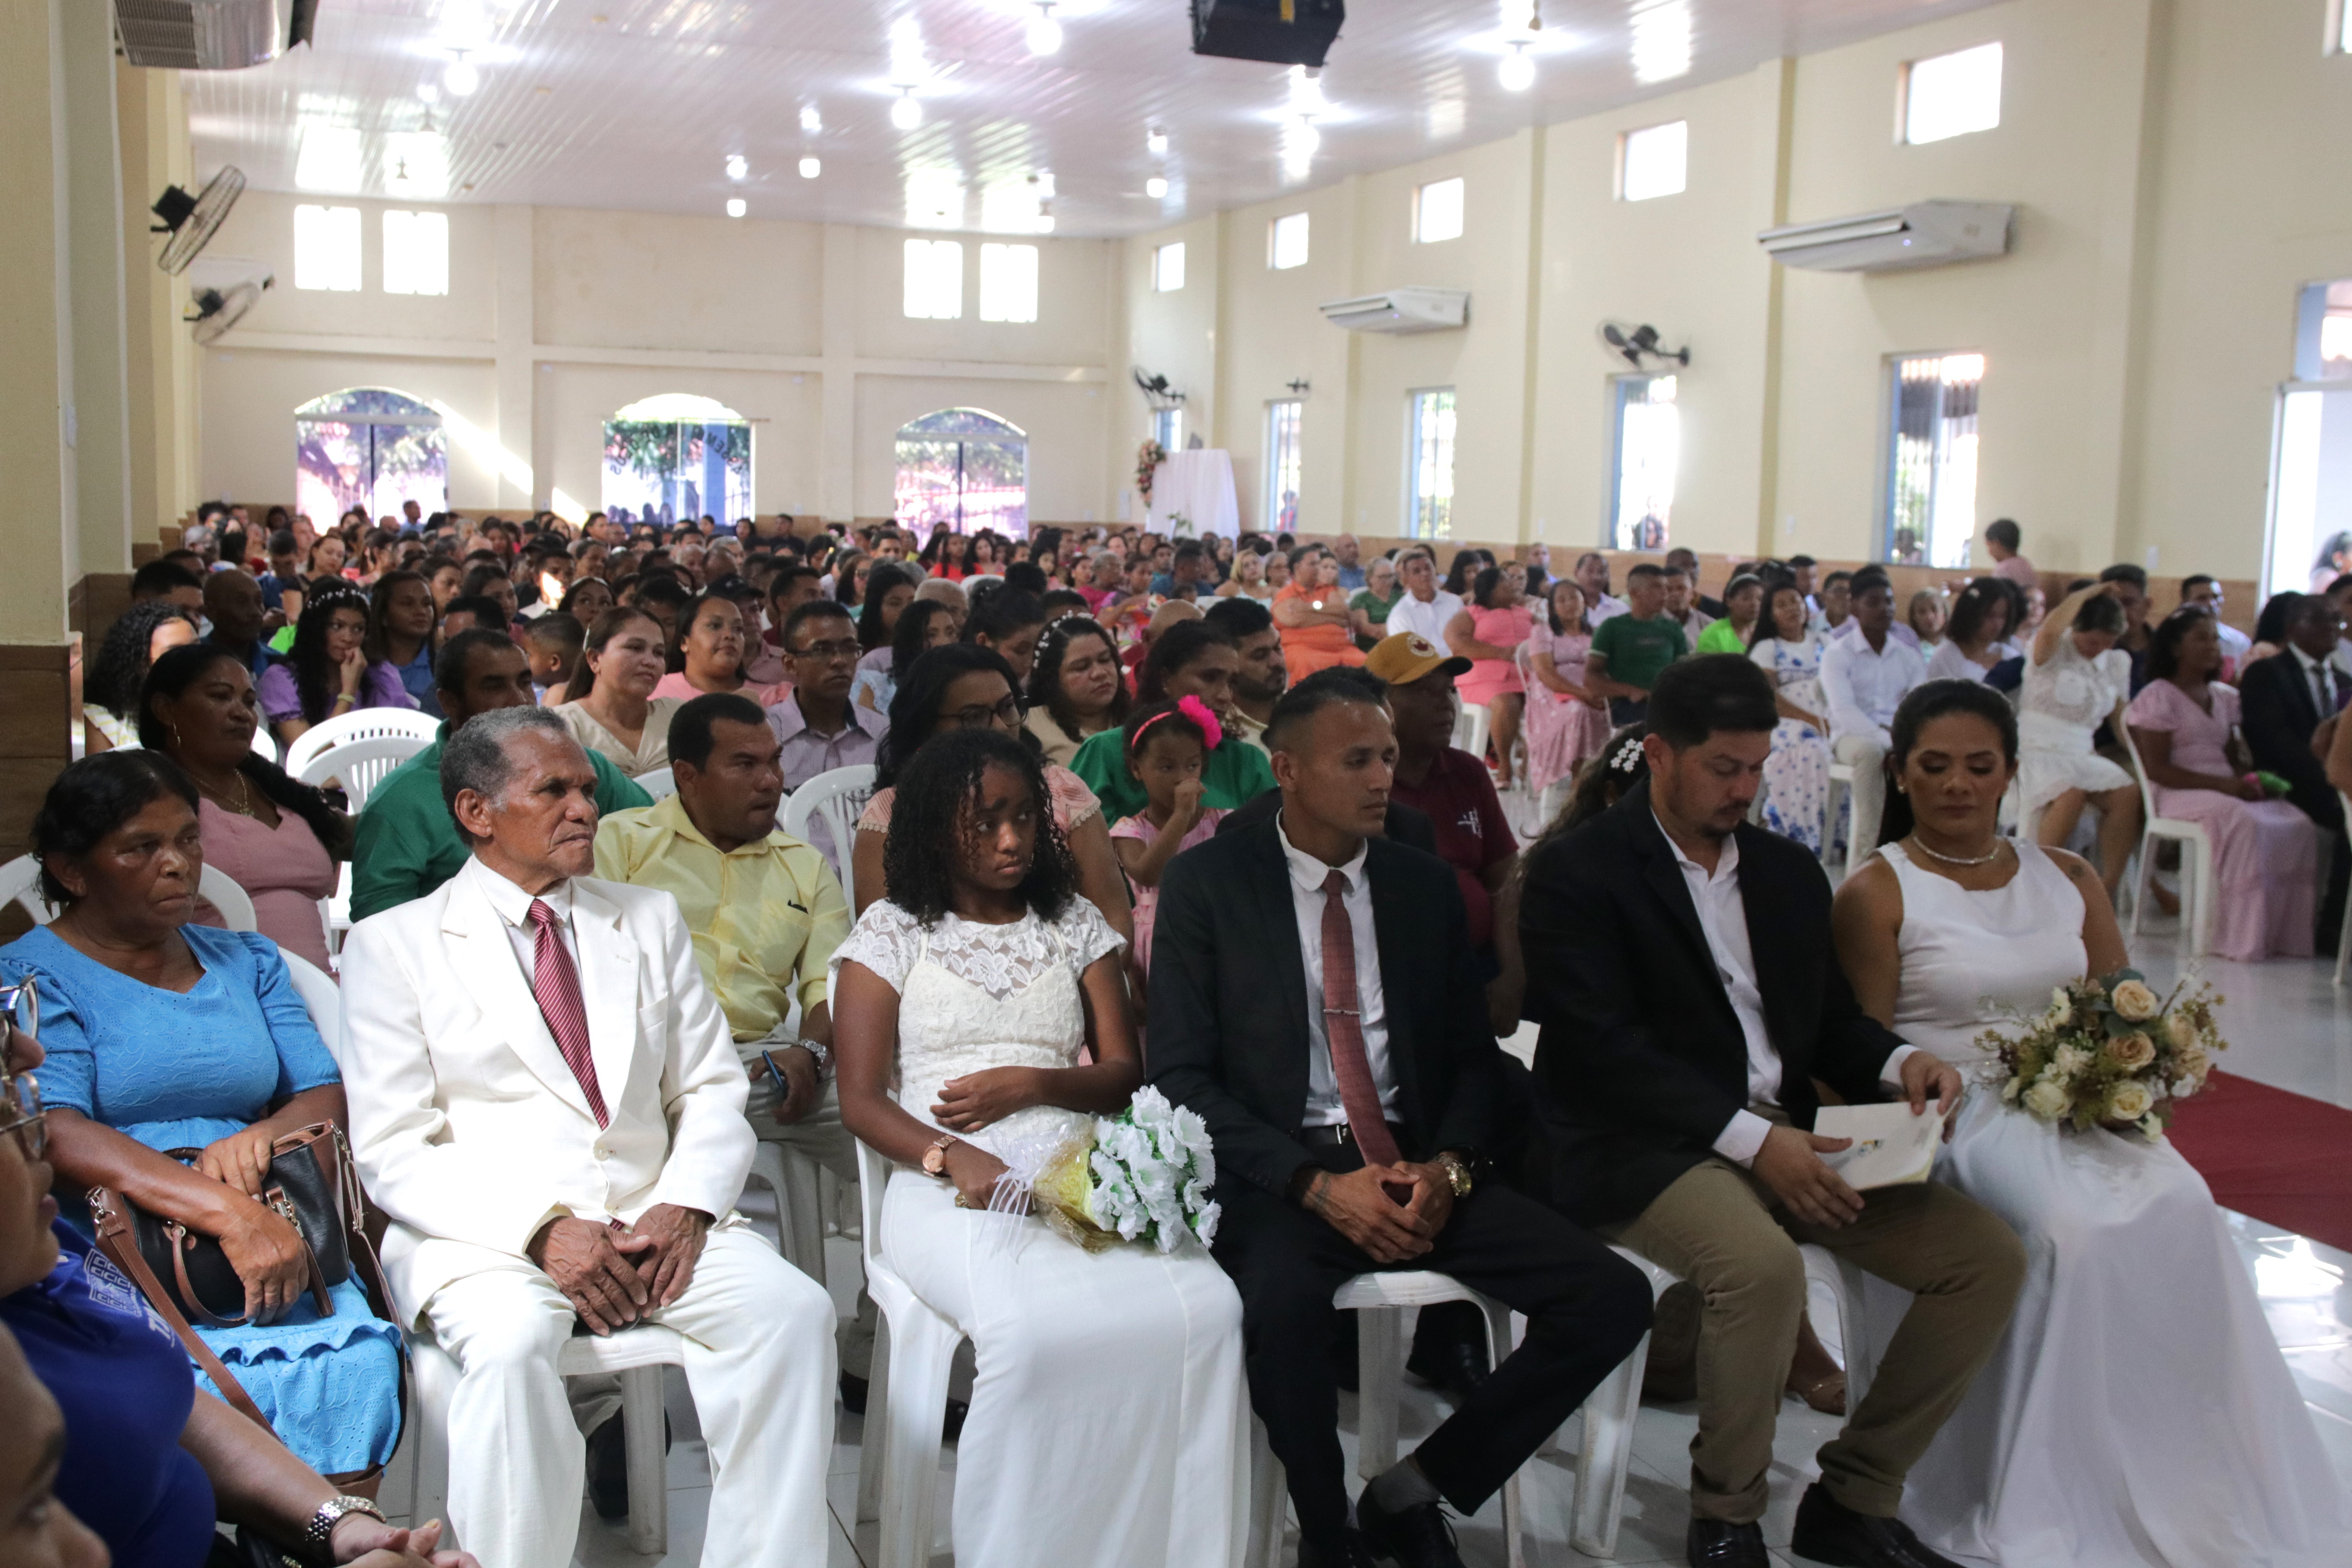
x=1336, y=1136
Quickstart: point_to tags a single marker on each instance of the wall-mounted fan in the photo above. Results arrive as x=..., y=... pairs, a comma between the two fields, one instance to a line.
x=1156, y=390
x=212, y=311
x=1637, y=343
x=192, y=221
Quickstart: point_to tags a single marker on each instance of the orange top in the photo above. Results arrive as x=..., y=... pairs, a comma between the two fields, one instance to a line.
x=1329, y=638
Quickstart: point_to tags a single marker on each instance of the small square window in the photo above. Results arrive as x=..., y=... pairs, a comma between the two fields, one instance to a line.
x=416, y=253
x=1286, y=242
x=1951, y=95
x=934, y=279
x=1008, y=282
x=1654, y=161
x=327, y=248
x=1167, y=268
x=1437, y=211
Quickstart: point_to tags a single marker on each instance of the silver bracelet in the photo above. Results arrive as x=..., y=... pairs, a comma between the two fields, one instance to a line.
x=823, y=1054
x=318, y=1534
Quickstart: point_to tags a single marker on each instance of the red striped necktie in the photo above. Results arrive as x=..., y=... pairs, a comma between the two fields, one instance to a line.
x=1343, y=1030
x=556, y=984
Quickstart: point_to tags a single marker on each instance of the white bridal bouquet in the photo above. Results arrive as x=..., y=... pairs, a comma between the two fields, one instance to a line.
x=1142, y=1175
x=2109, y=1053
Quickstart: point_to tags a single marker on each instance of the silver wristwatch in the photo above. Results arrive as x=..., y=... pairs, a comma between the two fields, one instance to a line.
x=317, y=1535
x=822, y=1052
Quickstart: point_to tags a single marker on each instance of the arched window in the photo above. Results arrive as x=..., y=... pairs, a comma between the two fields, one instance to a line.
x=676, y=456
x=372, y=447
x=964, y=468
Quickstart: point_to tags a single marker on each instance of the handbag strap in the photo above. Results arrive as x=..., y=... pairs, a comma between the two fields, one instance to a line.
x=107, y=1210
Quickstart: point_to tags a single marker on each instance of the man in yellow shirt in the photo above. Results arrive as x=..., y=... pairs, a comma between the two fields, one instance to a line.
x=766, y=912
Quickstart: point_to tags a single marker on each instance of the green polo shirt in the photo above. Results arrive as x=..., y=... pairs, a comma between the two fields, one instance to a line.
x=1638, y=651
x=1236, y=774
x=408, y=843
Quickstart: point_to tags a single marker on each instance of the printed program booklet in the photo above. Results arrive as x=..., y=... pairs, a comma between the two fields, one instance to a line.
x=1892, y=1147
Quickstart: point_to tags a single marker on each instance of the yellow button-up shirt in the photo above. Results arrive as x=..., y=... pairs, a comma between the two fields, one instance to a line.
x=765, y=918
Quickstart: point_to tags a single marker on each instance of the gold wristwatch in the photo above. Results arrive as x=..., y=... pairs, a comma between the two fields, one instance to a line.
x=1456, y=1172
x=935, y=1158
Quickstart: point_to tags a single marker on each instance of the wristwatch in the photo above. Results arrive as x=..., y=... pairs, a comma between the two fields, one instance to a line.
x=318, y=1534
x=822, y=1052
x=1456, y=1173
x=935, y=1158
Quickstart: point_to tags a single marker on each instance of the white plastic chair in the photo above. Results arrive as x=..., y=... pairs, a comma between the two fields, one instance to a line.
x=1613, y=1408
x=835, y=797
x=320, y=997
x=361, y=764
x=907, y=1399
x=2196, y=882
x=637, y=1356
x=365, y=724
x=263, y=745
x=20, y=881
x=794, y=1178
x=661, y=784
x=1471, y=724
x=1841, y=790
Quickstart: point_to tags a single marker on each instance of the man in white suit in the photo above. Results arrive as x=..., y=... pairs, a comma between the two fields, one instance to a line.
x=546, y=1101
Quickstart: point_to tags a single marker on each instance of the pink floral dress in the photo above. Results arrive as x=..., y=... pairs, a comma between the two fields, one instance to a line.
x=1561, y=731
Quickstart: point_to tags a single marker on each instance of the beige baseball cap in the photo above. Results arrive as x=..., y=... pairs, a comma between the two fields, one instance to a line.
x=1408, y=656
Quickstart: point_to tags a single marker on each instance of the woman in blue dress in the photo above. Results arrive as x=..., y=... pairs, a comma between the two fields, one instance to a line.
x=161, y=1036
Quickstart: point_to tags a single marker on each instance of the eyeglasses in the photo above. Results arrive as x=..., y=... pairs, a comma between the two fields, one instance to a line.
x=20, y=1004
x=21, y=1113
x=829, y=651
x=976, y=717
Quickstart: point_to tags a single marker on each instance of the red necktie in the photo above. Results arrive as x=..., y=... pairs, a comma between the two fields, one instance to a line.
x=1343, y=1030
x=557, y=985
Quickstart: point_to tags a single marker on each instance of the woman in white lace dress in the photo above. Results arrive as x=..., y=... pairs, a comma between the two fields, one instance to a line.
x=2075, y=680
x=2137, y=1414
x=1109, y=1419
x=1797, y=773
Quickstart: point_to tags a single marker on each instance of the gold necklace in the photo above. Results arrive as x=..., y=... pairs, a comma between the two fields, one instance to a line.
x=1997, y=843
x=242, y=806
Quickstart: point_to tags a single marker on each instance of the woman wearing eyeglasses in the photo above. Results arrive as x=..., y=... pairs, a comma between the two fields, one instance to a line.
x=177, y=1054
x=143, y=1458
x=966, y=687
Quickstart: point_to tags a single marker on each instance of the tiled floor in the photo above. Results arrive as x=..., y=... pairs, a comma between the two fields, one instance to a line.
x=2290, y=1027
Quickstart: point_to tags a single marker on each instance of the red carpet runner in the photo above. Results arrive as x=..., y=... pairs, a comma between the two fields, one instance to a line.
x=2285, y=1159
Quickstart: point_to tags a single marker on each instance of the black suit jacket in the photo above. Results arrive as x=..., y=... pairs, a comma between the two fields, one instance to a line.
x=2278, y=710
x=1640, y=1049
x=1229, y=1035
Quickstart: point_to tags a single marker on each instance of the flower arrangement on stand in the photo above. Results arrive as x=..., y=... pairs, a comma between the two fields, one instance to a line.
x=2108, y=1053
x=1142, y=1175
x=1148, y=457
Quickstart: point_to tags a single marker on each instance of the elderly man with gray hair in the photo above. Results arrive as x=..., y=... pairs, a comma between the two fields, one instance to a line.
x=546, y=1101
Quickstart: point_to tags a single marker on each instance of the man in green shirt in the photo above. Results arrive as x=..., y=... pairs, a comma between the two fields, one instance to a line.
x=1190, y=659
x=1630, y=651
x=408, y=843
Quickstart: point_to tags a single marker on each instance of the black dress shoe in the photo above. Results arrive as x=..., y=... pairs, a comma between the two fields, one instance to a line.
x=1717, y=1543
x=1449, y=1350
x=608, y=1466
x=1829, y=1531
x=1415, y=1537
x=1347, y=1551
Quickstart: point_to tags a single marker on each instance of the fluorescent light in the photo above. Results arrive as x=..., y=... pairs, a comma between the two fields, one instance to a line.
x=811, y=168
x=462, y=76
x=1044, y=33
x=908, y=65
x=737, y=206
x=907, y=113
x=737, y=166
x=1155, y=142
x=1299, y=141
x=1155, y=188
x=1517, y=72
x=330, y=159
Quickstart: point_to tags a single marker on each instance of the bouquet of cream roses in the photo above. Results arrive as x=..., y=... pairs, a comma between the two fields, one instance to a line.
x=1142, y=1175
x=2109, y=1053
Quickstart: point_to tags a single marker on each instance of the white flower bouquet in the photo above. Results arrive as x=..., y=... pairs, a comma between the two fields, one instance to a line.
x=1142, y=1175
x=2108, y=1053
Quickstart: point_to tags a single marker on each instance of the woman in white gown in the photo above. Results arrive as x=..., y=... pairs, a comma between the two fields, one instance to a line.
x=2075, y=680
x=1110, y=1424
x=2138, y=1413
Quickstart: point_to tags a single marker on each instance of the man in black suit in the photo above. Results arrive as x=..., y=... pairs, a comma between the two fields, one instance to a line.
x=1314, y=998
x=1680, y=964
x=2282, y=700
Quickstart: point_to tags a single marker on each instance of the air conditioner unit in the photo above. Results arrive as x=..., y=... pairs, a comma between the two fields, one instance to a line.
x=211, y=35
x=1923, y=233
x=1400, y=310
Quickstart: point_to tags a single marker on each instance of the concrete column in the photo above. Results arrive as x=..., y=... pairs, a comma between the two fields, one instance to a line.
x=160, y=353
x=837, y=448
x=99, y=429
x=526, y=475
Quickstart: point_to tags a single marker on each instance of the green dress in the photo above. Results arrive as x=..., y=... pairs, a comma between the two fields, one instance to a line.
x=1721, y=636
x=1236, y=774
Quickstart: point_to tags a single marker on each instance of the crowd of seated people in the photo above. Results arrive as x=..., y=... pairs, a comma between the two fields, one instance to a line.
x=1118, y=781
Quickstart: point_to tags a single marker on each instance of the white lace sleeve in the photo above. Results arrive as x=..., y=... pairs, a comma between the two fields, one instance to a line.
x=885, y=940
x=1086, y=935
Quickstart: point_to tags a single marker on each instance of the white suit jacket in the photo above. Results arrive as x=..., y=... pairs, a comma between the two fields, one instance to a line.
x=469, y=1129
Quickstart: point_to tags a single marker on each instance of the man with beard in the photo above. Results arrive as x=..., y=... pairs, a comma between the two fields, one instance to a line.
x=1263, y=676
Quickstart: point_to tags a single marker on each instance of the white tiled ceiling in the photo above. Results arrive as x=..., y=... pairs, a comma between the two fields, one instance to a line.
x=638, y=103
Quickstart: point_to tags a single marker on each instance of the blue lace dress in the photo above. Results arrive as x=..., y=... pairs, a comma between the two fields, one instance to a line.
x=180, y=1070
x=1797, y=774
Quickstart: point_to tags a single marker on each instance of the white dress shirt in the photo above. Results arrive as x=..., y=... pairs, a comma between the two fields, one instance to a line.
x=1603, y=607
x=1723, y=916
x=513, y=907
x=1863, y=686
x=1428, y=616
x=2318, y=673
x=1307, y=900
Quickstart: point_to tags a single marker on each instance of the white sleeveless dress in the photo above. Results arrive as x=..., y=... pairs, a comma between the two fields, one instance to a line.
x=1110, y=1424
x=2137, y=1414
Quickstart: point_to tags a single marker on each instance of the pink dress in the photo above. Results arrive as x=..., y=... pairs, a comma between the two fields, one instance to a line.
x=676, y=684
x=1147, y=899
x=1561, y=731
x=1491, y=677
x=285, y=872
x=2265, y=852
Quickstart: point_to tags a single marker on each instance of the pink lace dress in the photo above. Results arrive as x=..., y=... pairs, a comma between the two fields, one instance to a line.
x=1561, y=731
x=1490, y=677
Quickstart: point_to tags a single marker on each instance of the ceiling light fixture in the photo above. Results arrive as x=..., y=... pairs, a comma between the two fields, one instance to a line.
x=428, y=92
x=1155, y=142
x=811, y=121
x=1517, y=72
x=1045, y=221
x=737, y=166
x=1044, y=33
x=737, y=206
x=811, y=168
x=906, y=114
x=462, y=76
x=1155, y=188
